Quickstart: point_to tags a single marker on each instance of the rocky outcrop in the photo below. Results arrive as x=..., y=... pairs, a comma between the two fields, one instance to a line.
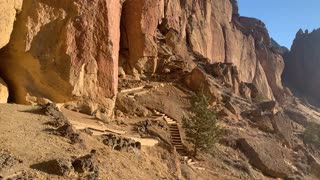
x=63, y=50
x=301, y=72
x=121, y=143
x=266, y=155
x=8, y=11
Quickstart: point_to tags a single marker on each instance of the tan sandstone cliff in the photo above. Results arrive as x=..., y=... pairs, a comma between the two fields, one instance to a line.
x=64, y=49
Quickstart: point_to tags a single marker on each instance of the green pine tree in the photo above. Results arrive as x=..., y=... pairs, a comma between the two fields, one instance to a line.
x=201, y=128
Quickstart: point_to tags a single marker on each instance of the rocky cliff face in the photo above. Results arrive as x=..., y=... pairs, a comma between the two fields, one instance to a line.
x=301, y=72
x=8, y=11
x=65, y=50
x=205, y=29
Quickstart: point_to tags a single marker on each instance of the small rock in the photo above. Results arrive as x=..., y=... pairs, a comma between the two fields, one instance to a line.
x=166, y=70
x=69, y=132
x=268, y=106
x=85, y=164
x=120, y=143
x=119, y=113
x=87, y=131
x=102, y=115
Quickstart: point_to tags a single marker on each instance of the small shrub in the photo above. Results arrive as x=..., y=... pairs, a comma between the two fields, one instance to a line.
x=260, y=98
x=201, y=128
x=312, y=134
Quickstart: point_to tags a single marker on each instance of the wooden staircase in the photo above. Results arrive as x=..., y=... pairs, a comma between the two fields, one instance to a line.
x=174, y=133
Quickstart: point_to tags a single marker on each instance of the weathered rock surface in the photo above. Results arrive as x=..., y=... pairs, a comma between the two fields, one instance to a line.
x=198, y=79
x=301, y=72
x=64, y=49
x=8, y=11
x=266, y=155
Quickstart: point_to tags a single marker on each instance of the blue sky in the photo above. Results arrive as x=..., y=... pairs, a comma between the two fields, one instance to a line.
x=283, y=18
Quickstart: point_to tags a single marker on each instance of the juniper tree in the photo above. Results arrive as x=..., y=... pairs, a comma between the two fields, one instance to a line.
x=201, y=127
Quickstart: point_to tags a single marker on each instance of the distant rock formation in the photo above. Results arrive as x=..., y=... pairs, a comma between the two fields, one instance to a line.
x=301, y=72
x=278, y=48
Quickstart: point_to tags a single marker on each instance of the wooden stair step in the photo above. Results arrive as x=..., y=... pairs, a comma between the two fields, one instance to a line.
x=180, y=145
x=181, y=150
x=175, y=137
x=172, y=132
x=173, y=129
x=175, y=132
x=176, y=140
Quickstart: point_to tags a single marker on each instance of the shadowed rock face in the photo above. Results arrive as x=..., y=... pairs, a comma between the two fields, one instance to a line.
x=302, y=73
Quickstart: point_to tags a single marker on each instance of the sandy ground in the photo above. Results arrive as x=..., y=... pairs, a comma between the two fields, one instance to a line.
x=24, y=133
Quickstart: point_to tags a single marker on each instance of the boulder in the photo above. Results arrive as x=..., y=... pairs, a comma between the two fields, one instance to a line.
x=37, y=100
x=4, y=91
x=266, y=155
x=269, y=107
x=260, y=120
x=85, y=164
x=283, y=127
x=198, y=79
x=131, y=106
x=245, y=91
